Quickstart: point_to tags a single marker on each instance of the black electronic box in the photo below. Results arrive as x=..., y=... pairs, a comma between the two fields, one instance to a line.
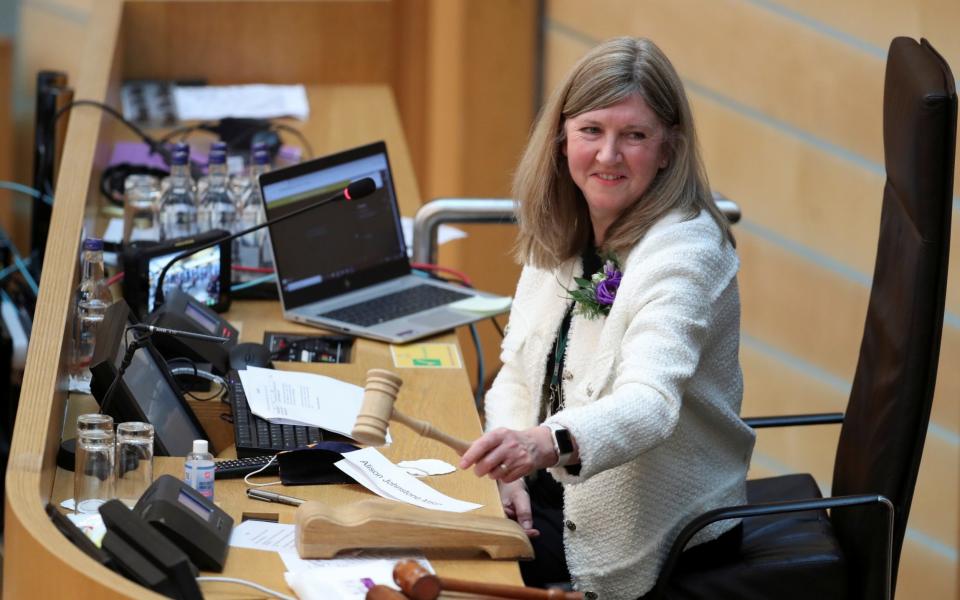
x=185, y=517
x=183, y=312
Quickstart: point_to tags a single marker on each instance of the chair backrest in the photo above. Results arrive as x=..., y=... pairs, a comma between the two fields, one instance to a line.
x=882, y=437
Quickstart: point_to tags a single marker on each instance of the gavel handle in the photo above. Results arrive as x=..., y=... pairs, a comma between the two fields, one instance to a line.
x=507, y=591
x=427, y=430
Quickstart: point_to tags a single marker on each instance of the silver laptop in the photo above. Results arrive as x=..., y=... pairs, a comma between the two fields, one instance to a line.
x=344, y=266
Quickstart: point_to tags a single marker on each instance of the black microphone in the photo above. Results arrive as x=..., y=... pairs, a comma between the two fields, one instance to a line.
x=357, y=189
x=180, y=333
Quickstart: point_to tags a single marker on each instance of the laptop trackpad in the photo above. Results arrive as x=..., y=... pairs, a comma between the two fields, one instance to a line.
x=438, y=317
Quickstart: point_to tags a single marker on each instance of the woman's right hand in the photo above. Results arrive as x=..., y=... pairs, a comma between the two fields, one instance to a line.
x=516, y=503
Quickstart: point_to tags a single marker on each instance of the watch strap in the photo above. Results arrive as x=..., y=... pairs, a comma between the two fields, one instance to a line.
x=562, y=443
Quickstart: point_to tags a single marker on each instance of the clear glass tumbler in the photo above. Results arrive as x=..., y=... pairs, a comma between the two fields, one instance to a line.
x=141, y=201
x=134, y=460
x=93, y=474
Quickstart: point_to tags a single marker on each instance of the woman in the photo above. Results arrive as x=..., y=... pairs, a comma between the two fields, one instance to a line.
x=621, y=378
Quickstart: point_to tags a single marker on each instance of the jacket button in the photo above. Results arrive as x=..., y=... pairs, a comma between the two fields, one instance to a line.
x=570, y=525
x=590, y=595
x=567, y=375
x=589, y=390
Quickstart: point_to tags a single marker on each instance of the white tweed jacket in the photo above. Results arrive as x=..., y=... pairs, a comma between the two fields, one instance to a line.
x=651, y=394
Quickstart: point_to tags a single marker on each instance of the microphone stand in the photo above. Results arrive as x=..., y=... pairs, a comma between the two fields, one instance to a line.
x=138, y=341
x=145, y=331
x=357, y=189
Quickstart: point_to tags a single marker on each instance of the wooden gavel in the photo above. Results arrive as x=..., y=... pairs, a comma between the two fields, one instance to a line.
x=377, y=411
x=417, y=583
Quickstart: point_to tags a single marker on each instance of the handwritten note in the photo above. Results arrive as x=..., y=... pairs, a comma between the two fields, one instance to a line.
x=372, y=470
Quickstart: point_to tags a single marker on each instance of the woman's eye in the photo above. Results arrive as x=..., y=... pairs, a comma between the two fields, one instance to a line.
x=590, y=130
x=636, y=136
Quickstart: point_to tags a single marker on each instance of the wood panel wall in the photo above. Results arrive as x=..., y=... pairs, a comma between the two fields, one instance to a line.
x=787, y=97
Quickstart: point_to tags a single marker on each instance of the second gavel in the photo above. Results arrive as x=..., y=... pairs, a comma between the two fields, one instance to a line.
x=377, y=410
x=419, y=584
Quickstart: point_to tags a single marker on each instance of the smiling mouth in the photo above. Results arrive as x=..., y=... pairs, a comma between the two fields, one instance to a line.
x=608, y=177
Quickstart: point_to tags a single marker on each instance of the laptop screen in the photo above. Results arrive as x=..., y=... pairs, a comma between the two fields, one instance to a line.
x=344, y=245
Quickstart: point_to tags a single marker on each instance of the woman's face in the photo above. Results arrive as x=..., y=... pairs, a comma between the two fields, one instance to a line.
x=613, y=154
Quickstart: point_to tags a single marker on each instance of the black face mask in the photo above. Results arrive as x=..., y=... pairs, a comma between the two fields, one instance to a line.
x=313, y=464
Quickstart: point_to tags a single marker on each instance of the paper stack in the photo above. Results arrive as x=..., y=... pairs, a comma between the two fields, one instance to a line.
x=292, y=398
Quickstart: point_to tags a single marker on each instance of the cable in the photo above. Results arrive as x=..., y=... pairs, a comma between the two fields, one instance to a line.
x=497, y=327
x=438, y=269
x=255, y=586
x=19, y=263
x=247, y=481
x=24, y=189
x=298, y=134
x=155, y=146
x=251, y=283
x=175, y=371
x=115, y=278
x=246, y=269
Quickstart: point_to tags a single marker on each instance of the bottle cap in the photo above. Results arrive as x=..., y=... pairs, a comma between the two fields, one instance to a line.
x=180, y=158
x=261, y=157
x=93, y=244
x=200, y=446
x=258, y=146
x=218, y=157
x=181, y=147
x=218, y=145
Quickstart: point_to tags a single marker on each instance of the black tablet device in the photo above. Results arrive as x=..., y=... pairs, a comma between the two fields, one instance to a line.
x=147, y=391
x=204, y=275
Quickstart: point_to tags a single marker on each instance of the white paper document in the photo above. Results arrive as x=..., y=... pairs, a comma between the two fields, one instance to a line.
x=373, y=471
x=256, y=101
x=344, y=577
x=264, y=535
x=294, y=398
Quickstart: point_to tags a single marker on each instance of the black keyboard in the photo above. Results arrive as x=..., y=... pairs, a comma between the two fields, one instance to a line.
x=393, y=306
x=255, y=436
x=241, y=467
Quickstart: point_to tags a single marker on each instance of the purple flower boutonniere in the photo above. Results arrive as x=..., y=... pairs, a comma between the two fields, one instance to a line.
x=595, y=296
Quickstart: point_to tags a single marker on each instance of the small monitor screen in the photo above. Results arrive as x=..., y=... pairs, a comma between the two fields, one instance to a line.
x=200, y=318
x=197, y=275
x=194, y=505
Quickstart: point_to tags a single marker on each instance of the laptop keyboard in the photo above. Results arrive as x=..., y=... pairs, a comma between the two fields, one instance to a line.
x=255, y=436
x=393, y=306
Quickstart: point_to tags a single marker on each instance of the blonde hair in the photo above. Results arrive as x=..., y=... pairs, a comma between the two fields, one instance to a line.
x=552, y=213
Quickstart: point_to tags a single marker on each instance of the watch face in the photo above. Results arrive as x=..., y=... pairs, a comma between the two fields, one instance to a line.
x=563, y=441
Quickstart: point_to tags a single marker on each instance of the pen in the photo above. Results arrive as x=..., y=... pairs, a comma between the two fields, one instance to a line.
x=273, y=497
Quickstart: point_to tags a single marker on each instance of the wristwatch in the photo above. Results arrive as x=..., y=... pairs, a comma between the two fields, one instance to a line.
x=562, y=444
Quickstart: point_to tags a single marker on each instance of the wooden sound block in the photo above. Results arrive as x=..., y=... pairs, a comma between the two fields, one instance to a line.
x=323, y=530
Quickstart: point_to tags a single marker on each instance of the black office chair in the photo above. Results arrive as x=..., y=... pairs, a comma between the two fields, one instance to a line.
x=791, y=547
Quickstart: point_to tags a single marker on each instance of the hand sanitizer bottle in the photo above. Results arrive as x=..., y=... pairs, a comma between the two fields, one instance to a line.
x=198, y=469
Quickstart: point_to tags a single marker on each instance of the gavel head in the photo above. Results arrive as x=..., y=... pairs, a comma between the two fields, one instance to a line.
x=415, y=581
x=379, y=394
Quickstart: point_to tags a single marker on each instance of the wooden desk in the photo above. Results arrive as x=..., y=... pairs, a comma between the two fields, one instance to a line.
x=439, y=395
x=41, y=563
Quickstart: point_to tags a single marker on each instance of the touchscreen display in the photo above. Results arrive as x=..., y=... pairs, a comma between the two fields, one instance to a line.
x=160, y=404
x=197, y=275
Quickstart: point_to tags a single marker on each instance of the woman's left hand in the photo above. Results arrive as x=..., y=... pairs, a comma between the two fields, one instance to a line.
x=507, y=455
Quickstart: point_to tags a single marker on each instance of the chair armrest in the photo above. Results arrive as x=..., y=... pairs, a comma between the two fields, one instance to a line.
x=771, y=508
x=789, y=420
x=431, y=215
